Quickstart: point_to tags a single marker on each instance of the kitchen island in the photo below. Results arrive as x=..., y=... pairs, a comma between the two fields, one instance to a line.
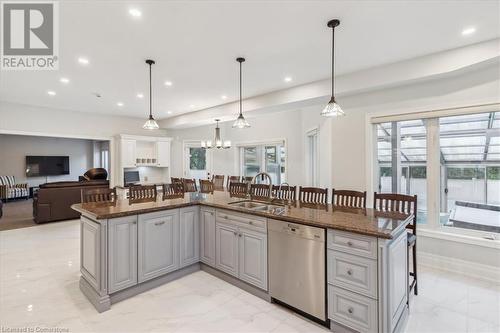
x=130, y=247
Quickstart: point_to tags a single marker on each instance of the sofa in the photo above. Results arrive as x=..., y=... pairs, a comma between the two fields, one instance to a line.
x=53, y=201
x=10, y=189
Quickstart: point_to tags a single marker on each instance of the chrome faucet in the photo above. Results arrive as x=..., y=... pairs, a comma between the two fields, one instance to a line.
x=262, y=174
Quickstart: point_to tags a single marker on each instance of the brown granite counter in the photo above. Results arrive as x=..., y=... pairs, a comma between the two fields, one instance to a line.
x=362, y=221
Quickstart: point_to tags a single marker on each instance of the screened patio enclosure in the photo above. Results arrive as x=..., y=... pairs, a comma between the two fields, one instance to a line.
x=469, y=167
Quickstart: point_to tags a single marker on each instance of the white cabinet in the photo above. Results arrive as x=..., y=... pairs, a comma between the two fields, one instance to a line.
x=253, y=257
x=122, y=253
x=207, y=236
x=163, y=153
x=227, y=248
x=158, y=248
x=189, y=236
x=128, y=153
x=241, y=247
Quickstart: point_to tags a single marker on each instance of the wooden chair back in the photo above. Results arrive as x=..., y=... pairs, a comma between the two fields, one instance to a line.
x=260, y=191
x=173, y=191
x=189, y=185
x=238, y=190
x=98, y=195
x=314, y=195
x=397, y=204
x=206, y=186
x=347, y=198
x=142, y=192
x=232, y=179
x=218, y=181
x=174, y=180
x=285, y=192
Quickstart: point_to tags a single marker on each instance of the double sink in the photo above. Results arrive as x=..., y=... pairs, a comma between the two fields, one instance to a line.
x=259, y=206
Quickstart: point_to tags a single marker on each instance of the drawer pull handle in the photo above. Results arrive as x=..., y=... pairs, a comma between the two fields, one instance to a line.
x=239, y=235
x=349, y=243
x=225, y=216
x=160, y=223
x=349, y=272
x=250, y=222
x=350, y=310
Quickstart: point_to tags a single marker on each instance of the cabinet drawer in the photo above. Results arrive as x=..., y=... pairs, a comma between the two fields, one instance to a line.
x=248, y=221
x=352, y=272
x=352, y=310
x=351, y=243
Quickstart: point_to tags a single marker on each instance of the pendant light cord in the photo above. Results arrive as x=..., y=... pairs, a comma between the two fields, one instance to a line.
x=240, y=91
x=150, y=93
x=333, y=59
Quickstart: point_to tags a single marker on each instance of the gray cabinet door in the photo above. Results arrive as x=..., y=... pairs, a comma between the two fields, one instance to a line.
x=253, y=257
x=189, y=236
x=158, y=249
x=226, y=245
x=122, y=253
x=207, y=236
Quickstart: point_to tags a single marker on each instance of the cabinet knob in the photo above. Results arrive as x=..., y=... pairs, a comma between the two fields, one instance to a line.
x=239, y=235
x=250, y=222
x=235, y=233
x=134, y=222
x=350, y=310
x=160, y=223
x=349, y=272
x=349, y=243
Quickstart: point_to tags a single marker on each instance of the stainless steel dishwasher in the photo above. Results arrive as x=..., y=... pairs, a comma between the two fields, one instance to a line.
x=297, y=266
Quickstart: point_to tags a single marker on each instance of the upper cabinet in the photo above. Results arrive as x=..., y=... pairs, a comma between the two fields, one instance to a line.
x=144, y=151
x=163, y=153
x=128, y=153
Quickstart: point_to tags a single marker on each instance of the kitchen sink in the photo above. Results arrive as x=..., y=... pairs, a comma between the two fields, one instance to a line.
x=256, y=205
x=248, y=204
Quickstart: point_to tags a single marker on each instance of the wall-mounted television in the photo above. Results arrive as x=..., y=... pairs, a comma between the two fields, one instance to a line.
x=47, y=166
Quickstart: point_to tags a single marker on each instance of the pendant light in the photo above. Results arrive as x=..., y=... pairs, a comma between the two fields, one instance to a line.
x=240, y=122
x=332, y=109
x=217, y=143
x=151, y=123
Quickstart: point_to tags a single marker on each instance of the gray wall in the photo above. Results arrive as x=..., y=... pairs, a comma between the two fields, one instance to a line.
x=15, y=148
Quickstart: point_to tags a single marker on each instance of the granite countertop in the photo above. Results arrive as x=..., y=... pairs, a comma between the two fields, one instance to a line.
x=362, y=221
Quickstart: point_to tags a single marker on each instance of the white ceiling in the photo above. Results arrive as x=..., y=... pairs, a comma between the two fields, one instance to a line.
x=195, y=45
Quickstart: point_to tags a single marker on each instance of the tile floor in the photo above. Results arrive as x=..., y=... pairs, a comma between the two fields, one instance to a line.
x=39, y=271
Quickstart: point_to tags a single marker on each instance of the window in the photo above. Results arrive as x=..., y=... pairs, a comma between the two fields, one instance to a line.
x=461, y=169
x=402, y=146
x=270, y=158
x=469, y=172
x=312, y=158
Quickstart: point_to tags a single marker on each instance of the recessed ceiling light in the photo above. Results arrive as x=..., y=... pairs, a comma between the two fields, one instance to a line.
x=134, y=12
x=83, y=61
x=168, y=83
x=223, y=97
x=119, y=104
x=169, y=112
x=468, y=31
x=64, y=80
x=139, y=95
x=192, y=106
x=51, y=93
x=287, y=79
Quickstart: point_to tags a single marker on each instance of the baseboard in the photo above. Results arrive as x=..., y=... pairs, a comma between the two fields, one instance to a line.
x=468, y=268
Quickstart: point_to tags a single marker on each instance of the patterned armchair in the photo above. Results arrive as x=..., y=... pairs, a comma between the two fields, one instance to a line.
x=9, y=189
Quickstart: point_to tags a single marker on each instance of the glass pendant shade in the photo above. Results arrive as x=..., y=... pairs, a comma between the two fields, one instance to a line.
x=241, y=122
x=151, y=124
x=332, y=109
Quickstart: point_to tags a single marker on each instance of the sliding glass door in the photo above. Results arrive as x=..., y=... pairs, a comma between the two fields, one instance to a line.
x=270, y=158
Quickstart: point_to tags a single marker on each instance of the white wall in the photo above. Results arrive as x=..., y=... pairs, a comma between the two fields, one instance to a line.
x=15, y=148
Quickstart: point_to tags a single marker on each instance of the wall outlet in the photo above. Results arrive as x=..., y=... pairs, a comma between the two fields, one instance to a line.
x=145, y=178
